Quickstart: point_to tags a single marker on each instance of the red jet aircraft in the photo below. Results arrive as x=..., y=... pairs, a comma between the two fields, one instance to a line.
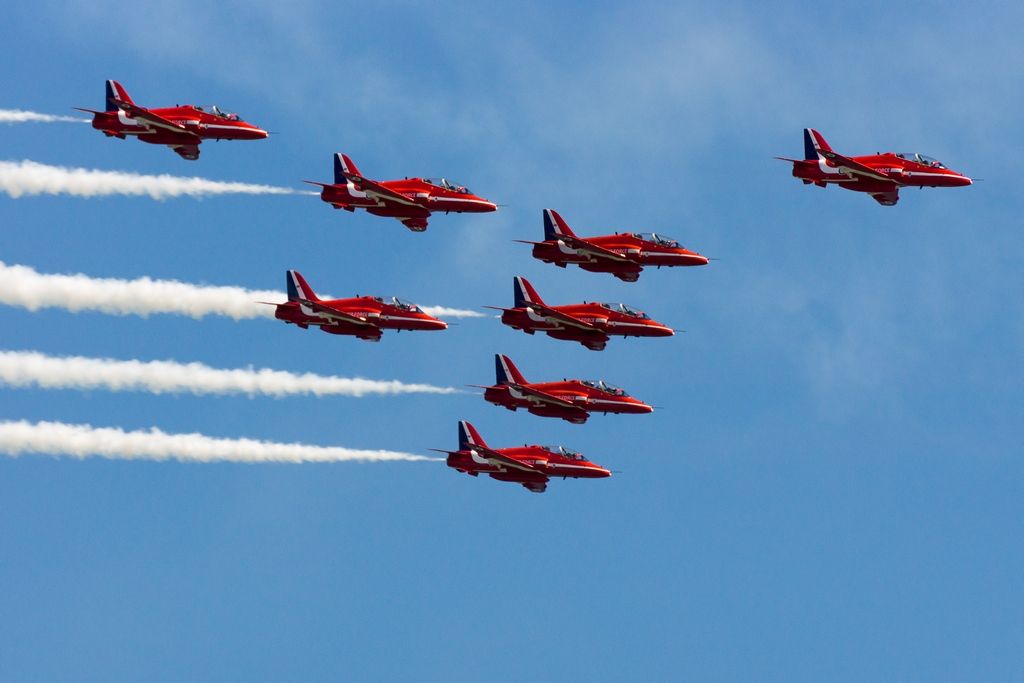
x=589, y=324
x=182, y=128
x=880, y=175
x=573, y=400
x=411, y=200
x=623, y=255
x=530, y=466
x=365, y=317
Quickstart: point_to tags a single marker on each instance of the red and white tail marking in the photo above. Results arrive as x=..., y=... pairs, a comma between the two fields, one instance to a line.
x=555, y=226
x=525, y=293
x=120, y=93
x=299, y=289
x=469, y=437
x=820, y=145
x=507, y=372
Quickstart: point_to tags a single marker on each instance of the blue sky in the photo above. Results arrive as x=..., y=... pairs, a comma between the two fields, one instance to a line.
x=832, y=490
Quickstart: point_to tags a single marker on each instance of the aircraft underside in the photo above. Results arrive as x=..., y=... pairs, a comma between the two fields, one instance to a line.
x=371, y=334
x=594, y=342
x=574, y=416
x=626, y=274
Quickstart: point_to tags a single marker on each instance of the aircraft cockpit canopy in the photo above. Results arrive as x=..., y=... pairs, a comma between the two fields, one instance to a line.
x=564, y=452
x=216, y=111
x=601, y=385
x=447, y=184
x=921, y=159
x=612, y=389
x=655, y=238
x=623, y=308
x=398, y=303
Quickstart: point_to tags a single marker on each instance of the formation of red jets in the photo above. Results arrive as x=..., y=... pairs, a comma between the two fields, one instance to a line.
x=624, y=255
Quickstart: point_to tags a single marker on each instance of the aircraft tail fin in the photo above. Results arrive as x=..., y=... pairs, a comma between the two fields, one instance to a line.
x=469, y=437
x=555, y=226
x=343, y=165
x=506, y=371
x=813, y=143
x=524, y=292
x=299, y=289
x=116, y=93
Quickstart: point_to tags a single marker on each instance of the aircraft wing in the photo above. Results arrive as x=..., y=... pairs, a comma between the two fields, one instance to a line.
x=378, y=191
x=594, y=250
x=543, y=396
x=855, y=166
x=563, y=318
x=151, y=120
x=497, y=458
x=886, y=198
x=416, y=223
x=190, y=152
x=334, y=314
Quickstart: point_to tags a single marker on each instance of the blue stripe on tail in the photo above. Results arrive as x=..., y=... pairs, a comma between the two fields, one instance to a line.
x=293, y=291
x=500, y=375
x=521, y=299
x=111, y=97
x=550, y=232
x=339, y=175
x=465, y=442
x=810, y=153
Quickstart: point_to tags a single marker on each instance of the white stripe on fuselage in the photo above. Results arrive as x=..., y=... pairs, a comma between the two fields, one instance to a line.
x=925, y=173
x=616, y=323
x=459, y=199
x=401, y=318
x=566, y=465
x=217, y=125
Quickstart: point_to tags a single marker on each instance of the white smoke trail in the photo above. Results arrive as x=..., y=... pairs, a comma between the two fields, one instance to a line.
x=30, y=178
x=30, y=368
x=25, y=287
x=22, y=116
x=83, y=441
x=445, y=312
